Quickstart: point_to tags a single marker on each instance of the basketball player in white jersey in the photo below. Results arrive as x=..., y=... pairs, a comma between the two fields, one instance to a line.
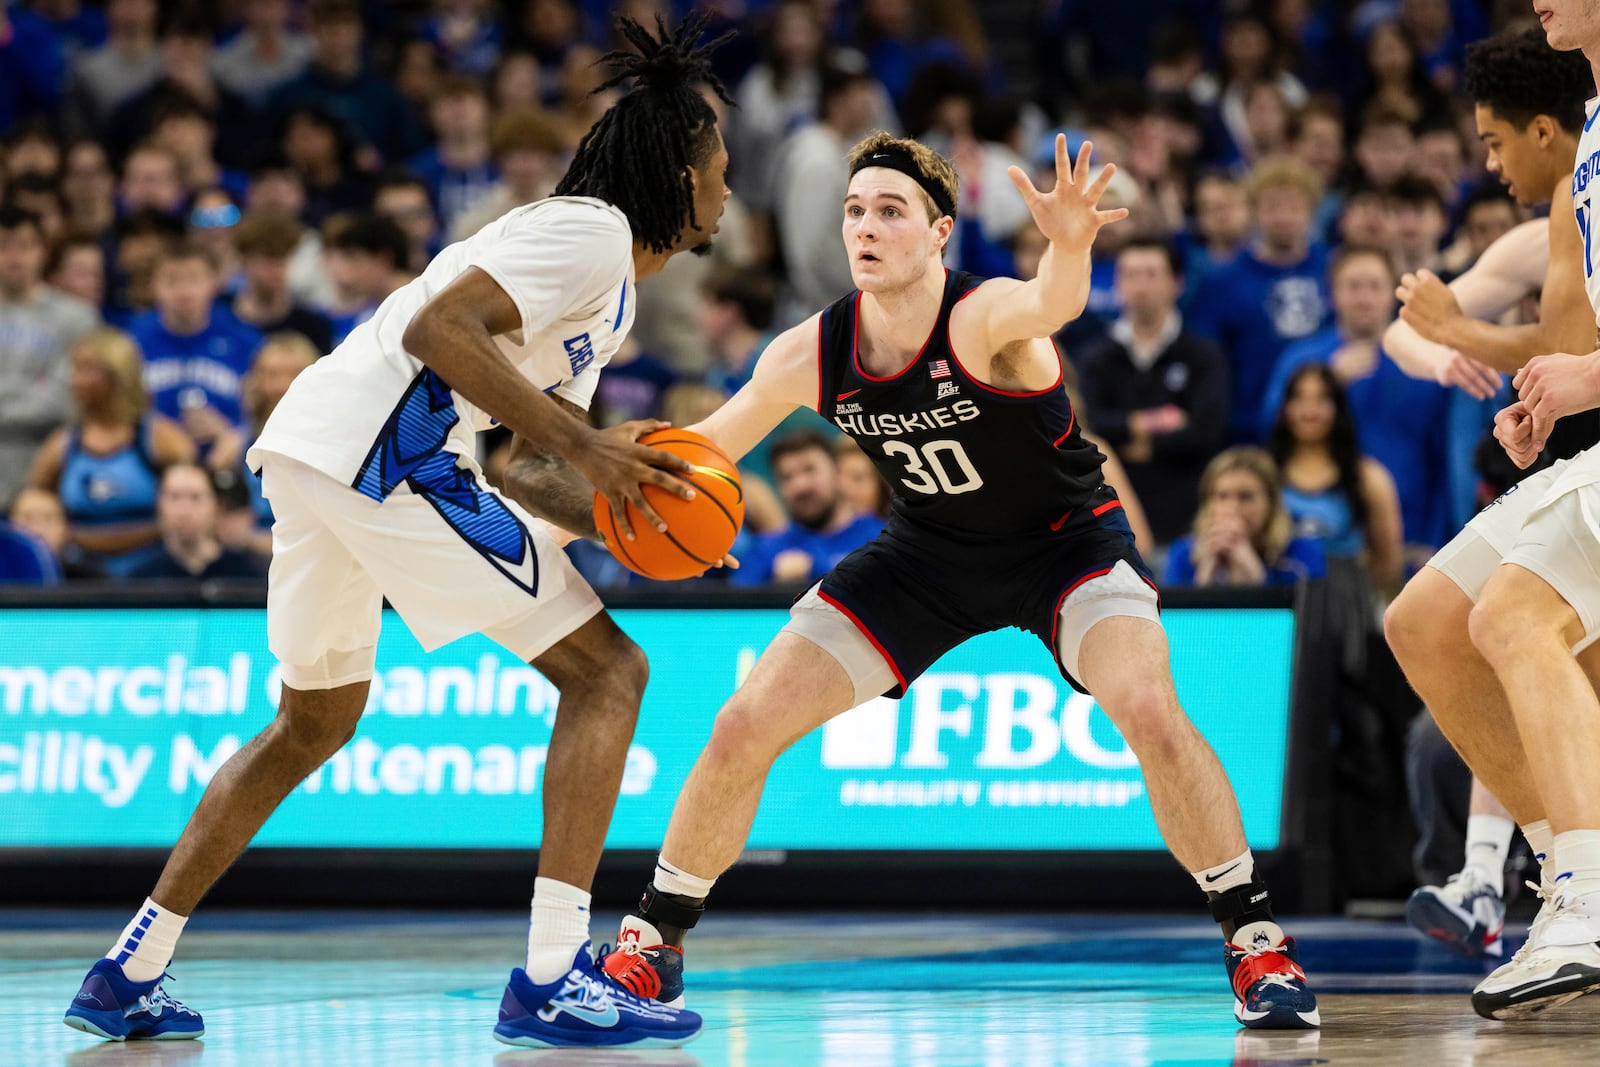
x=368, y=462
x=1526, y=718
x=1529, y=105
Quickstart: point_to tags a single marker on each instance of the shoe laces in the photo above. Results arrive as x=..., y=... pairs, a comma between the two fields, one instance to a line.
x=1465, y=883
x=159, y=999
x=608, y=985
x=1549, y=902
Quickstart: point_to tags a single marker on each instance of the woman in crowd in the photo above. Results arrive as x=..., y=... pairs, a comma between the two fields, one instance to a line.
x=1243, y=535
x=106, y=463
x=1332, y=492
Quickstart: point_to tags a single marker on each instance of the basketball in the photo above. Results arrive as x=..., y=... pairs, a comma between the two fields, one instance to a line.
x=699, y=531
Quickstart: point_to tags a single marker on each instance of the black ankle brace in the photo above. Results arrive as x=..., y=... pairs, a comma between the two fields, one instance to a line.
x=666, y=909
x=1240, y=906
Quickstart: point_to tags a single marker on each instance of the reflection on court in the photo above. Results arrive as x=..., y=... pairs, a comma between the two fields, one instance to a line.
x=783, y=991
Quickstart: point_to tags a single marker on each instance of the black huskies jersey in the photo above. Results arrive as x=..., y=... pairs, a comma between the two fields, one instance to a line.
x=961, y=455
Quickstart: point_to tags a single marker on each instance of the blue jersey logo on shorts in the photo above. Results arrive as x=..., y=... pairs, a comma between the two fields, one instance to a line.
x=410, y=450
x=580, y=351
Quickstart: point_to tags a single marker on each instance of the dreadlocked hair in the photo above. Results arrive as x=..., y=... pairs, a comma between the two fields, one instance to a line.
x=637, y=156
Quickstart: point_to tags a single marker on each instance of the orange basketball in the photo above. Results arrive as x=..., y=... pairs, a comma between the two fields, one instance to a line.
x=699, y=531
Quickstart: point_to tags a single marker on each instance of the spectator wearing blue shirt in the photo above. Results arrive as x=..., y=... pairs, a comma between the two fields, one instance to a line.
x=39, y=512
x=633, y=385
x=458, y=170
x=366, y=262
x=282, y=357
x=25, y=560
x=822, y=530
x=1221, y=229
x=1272, y=295
x=466, y=36
x=1399, y=417
x=1243, y=535
x=1335, y=494
x=196, y=353
x=340, y=81
x=188, y=48
x=33, y=67
x=407, y=201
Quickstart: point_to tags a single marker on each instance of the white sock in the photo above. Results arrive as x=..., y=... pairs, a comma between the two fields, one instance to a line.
x=1488, y=841
x=147, y=942
x=558, y=926
x=1230, y=875
x=1542, y=840
x=680, y=883
x=1578, y=861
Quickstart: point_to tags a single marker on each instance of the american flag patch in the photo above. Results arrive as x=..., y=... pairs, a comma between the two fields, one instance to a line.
x=939, y=368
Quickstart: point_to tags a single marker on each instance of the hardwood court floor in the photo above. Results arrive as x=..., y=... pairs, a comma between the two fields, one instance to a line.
x=386, y=990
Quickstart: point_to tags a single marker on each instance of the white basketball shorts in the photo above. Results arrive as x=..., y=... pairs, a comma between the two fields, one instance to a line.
x=336, y=554
x=1549, y=523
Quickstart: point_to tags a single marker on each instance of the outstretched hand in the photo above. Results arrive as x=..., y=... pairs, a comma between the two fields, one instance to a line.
x=1069, y=214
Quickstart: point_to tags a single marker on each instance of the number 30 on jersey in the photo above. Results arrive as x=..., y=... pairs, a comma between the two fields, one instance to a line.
x=929, y=469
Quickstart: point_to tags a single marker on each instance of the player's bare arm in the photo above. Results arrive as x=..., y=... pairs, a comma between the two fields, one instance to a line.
x=1003, y=311
x=1566, y=322
x=1510, y=269
x=454, y=335
x=550, y=487
x=785, y=378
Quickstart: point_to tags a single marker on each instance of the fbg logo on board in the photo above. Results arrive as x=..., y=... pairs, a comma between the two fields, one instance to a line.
x=1019, y=719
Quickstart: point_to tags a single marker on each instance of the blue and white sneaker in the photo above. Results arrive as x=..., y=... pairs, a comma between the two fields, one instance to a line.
x=110, y=1006
x=583, y=1009
x=1466, y=913
x=1270, y=990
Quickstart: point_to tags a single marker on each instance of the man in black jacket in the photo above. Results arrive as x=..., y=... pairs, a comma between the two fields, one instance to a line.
x=1156, y=392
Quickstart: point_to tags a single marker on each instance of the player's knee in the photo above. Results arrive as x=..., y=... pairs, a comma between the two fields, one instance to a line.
x=311, y=736
x=743, y=735
x=630, y=669
x=613, y=674
x=1152, y=723
x=1496, y=628
x=1405, y=626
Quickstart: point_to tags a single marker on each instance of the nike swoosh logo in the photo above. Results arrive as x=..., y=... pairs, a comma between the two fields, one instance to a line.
x=1222, y=874
x=603, y=1018
x=847, y=396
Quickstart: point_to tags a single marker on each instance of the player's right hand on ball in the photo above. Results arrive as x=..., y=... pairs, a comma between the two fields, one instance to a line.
x=619, y=468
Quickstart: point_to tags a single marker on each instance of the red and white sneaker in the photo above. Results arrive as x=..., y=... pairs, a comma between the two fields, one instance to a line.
x=643, y=965
x=1270, y=990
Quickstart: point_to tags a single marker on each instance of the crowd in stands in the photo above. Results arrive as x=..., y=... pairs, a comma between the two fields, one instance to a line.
x=198, y=202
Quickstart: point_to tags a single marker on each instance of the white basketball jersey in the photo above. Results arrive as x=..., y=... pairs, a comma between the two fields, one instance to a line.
x=1584, y=468
x=1585, y=187
x=567, y=262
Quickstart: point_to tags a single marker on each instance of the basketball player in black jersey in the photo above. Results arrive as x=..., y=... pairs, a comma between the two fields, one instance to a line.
x=1000, y=518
